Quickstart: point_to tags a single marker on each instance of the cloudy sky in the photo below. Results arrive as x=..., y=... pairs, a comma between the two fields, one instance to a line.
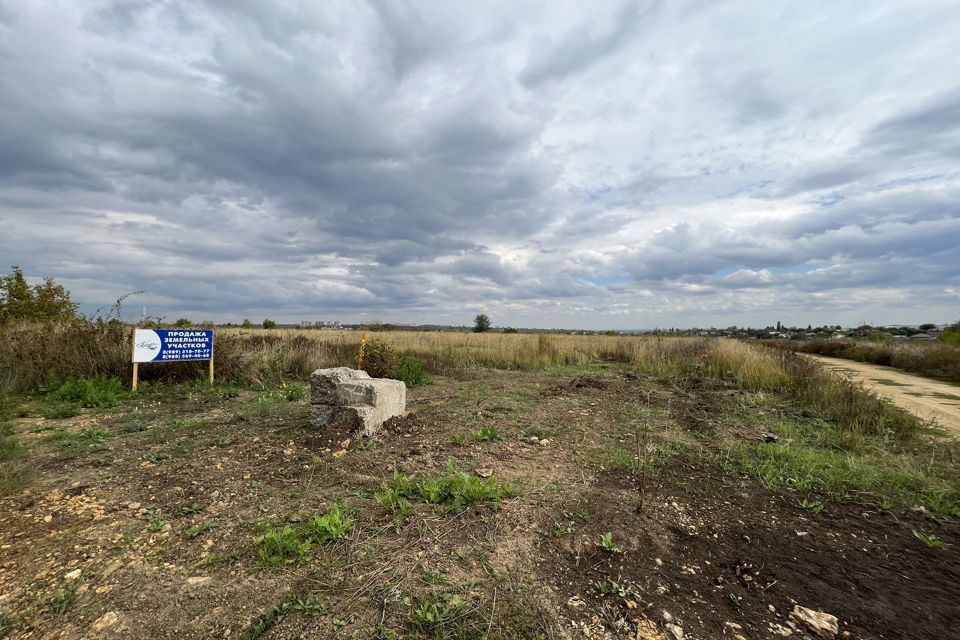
x=597, y=165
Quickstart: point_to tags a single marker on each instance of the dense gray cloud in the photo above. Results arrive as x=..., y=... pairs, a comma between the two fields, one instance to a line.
x=634, y=164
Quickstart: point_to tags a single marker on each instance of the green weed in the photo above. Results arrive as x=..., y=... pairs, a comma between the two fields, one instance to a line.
x=199, y=529
x=329, y=527
x=280, y=546
x=928, y=539
x=607, y=543
x=61, y=602
x=488, y=434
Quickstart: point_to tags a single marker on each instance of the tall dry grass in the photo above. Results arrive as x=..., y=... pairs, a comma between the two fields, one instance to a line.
x=935, y=359
x=30, y=353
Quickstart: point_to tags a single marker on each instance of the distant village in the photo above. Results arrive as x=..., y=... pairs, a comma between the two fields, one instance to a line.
x=928, y=331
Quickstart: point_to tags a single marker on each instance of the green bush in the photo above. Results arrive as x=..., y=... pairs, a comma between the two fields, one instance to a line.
x=411, y=372
x=99, y=391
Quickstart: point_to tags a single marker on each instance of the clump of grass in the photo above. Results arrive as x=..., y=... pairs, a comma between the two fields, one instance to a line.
x=285, y=545
x=306, y=603
x=457, y=490
x=61, y=602
x=488, y=434
x=329, y=527
x=440, y=616
x=282, y=545
x=14, y=475
x=295, y=392
x=199, y=529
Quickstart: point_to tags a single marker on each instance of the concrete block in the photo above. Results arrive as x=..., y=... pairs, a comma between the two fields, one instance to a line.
x=350, y=398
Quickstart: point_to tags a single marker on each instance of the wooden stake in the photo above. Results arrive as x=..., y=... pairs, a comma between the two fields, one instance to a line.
x=211, y=366
x=133, y=351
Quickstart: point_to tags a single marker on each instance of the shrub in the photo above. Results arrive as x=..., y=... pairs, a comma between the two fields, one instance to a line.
x=380, y=360
x=99, y=391
x=411, y=372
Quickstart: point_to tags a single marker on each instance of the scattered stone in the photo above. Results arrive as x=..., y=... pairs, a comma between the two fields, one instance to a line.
x=647, y=629
x=343, y=397
x=48, y=518
x=198, y=581
x=545, y=442
x=675, y=630
x=105, y=621
x=733, y=625
x=533, y=439
x=484, y=473
x=769, y=437
x=72, y=575
x=102, y=589
x=822, y=624
x=576, y=601
x=340, y=453
x=133, y=506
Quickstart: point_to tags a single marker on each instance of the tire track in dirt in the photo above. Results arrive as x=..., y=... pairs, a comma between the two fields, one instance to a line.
x=926, y=398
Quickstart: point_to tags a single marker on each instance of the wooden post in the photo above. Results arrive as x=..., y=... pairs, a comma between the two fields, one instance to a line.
x=133, y=351
x=211, y=365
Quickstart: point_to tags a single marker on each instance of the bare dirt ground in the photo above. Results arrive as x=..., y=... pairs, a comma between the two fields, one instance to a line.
x=926, y=398
x=141, y=523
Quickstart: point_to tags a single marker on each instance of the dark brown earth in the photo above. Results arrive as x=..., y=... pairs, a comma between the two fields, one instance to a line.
x=107, y=523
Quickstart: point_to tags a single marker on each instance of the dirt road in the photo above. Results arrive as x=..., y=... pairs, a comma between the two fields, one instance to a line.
x=929, y=399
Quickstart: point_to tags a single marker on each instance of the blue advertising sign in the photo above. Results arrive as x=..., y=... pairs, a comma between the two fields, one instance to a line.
x=172, y=345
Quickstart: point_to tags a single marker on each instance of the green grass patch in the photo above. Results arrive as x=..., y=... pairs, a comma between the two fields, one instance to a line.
x=282, y=545
x=457, y=490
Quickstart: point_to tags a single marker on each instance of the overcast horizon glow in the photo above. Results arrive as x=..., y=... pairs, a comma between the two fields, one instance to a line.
x=623, y=165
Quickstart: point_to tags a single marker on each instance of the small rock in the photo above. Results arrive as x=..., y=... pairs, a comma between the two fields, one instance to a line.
x=197, y=581
x=769, y=437
x=666, y=616
x=102, y=589
x=675, y=631
x=533, y=439
x=133, y=506
x=733, y=625
x=545, y=442
x=72, y=575
x=340, y=453
x=630, y=604
x=484, y=473
x=105, y=621
x=576, y=601
x=647, y=630
x=822, y=624
x=48, y=518
x=345, y=444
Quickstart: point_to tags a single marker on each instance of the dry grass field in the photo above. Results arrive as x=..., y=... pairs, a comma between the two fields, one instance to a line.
x=540, y=487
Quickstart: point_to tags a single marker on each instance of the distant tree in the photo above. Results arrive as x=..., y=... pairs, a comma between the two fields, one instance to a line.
x=45, y=301
x=269, y=324
x=481, y=323
x=927, y=326
x=183, y=322
x=510, y=330
x=246, y=324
